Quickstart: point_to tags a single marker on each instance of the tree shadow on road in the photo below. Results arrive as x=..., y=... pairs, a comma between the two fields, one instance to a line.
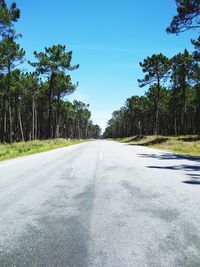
x=170, y=156
x=192, y=182
x=191, y=165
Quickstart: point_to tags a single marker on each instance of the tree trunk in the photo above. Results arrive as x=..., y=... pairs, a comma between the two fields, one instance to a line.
x=175, y=118
x=20, y=124
x=198, y=110
x=33, y=118
x=10, y=120
x=9, y=106
x=5, y=121
x=157, y=108
x=36, y=124
x=50, y=105
x=57, y=134
x=183, y=113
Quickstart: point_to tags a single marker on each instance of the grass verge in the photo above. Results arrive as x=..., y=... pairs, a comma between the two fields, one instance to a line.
x=8, y=151
x=187, y=144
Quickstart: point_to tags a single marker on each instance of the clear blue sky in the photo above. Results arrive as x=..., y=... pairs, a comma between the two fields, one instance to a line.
x=108, y=39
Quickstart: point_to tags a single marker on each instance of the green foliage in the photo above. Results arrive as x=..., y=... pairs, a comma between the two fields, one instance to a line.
x=156, y=68
x=7, y=17
x=11, y=55
x=30, y=108
x=54, y=59
x=177, y=104
x=196, y=53
x=187, y=17
x=33, y=105
x=53, y=63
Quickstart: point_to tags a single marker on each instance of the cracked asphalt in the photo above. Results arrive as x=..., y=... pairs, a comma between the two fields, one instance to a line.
x=100, y=203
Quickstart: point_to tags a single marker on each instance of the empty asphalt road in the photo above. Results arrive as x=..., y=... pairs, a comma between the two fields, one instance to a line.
x=100, y=204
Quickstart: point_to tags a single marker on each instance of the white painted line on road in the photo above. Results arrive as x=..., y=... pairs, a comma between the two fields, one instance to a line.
x=100, y=156
x=72, y=174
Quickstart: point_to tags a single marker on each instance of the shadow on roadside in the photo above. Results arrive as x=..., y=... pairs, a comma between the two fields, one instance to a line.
x=158, y=140
x=193, y=166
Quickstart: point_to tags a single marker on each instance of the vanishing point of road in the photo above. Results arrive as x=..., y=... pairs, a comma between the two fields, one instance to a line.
x=100, y=204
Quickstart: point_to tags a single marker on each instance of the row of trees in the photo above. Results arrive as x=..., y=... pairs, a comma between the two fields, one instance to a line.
x=33, y=105
x=171, y=106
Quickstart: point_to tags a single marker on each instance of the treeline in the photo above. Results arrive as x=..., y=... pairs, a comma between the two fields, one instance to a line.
x=33, y=105
x=171, y=105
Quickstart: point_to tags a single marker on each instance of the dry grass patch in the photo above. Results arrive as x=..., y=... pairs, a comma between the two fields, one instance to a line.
x=189, y=144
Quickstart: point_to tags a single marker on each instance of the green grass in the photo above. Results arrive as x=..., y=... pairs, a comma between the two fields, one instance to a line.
x=8, y=151
x=187, y=144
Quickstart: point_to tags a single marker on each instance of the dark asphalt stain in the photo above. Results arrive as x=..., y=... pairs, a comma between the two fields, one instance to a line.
x=137, y=192
x=182, y=236
x=55, y=239
x=167, y=215
x=121, y=169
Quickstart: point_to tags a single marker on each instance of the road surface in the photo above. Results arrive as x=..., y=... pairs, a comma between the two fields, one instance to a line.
x=98, y=204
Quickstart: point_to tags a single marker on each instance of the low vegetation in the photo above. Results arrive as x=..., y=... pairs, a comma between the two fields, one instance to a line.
x=8, y=151
x=189, y=144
